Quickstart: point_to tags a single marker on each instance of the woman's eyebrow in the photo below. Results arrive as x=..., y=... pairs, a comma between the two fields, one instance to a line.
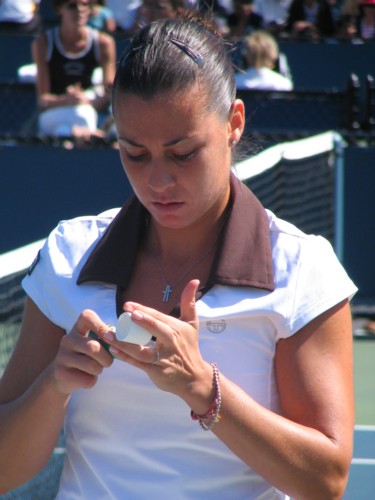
x=173, y=142
x=129, y=141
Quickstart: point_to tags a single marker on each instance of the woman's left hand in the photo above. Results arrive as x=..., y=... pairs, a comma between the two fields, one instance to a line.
x=173, y=362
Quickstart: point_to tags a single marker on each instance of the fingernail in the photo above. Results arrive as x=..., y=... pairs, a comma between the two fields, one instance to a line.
x=114, y=350
x=137, y=315
x=109, y=336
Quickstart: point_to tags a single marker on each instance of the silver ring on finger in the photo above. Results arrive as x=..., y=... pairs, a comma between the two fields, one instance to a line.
x=157, y=357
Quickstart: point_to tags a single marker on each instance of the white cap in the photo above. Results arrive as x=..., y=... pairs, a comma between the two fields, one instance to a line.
x=128, y=331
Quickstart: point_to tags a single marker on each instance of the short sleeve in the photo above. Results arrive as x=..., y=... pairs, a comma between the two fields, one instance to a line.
x=321, y=282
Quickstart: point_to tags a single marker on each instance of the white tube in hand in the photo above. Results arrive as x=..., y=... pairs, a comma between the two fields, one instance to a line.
x=128, y=331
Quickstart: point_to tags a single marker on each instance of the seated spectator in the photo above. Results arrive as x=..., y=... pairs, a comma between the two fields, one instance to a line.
x=310, y=20
x=347, y=21
x=101, y=17
x=366, y=20
x=274, y=14
x=346, y=29
x=125, y=13
x=20, y=16
x=350, y=8
x=243, y=20
x=151, y=10
x=66, y=58
x=262, y=52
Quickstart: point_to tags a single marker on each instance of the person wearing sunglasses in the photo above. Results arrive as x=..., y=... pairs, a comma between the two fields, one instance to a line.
x=67, y=58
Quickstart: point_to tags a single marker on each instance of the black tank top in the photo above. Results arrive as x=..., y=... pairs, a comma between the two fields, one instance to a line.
x=67, y=69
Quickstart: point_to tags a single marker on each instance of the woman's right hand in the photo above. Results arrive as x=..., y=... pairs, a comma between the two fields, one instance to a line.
x=80, y=360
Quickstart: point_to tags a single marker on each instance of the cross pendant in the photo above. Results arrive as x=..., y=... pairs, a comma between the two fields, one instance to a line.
x=166, y=293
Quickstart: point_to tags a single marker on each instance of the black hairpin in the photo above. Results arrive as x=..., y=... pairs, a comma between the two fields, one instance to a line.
x=192, y=53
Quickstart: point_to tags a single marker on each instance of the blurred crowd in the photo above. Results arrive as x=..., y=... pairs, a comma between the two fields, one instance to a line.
x=76, y=102
x=309, y=20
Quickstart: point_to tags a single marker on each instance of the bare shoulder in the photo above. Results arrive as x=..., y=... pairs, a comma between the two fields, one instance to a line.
x=39, y=48
x=314, y=373
x=36, y=347
x=106, y=41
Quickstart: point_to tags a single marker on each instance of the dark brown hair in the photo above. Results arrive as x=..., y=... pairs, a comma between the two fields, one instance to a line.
x=171, y=55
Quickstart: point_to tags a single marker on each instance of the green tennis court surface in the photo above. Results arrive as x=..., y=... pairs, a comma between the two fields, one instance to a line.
x=361, y=484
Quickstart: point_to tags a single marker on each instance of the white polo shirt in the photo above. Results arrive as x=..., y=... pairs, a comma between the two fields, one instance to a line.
x=126, y=438
x=263, y=79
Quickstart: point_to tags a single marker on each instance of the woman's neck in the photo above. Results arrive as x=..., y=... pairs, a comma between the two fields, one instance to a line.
x=180, y=247
x=73, y=37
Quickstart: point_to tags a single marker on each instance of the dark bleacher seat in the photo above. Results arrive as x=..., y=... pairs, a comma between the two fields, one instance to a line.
x=317, y=66
x=15, y=51
x=295, y=112
x=18, y=109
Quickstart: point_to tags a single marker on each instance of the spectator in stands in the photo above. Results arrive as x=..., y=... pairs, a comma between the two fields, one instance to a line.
x=125, y=13
x=101, y=17
x=310, y=20
x=346, y=29
x=274, y=14
x=347, y=21
x=366, y=20
x=151, y=10
x=261, y=55
x=243, y=20
x=272, y=311
x=66, y=58
x=20, y=16
x=350, y=8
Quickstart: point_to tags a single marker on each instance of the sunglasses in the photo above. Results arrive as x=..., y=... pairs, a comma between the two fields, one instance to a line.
x=76, y=6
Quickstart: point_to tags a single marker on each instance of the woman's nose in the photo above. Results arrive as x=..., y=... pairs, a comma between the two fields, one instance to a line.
x=160, y=177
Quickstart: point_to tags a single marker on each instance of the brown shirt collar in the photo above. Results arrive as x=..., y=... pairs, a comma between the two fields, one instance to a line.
x=243, y=256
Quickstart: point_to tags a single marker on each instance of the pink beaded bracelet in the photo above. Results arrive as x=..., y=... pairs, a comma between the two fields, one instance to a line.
x=214, y=411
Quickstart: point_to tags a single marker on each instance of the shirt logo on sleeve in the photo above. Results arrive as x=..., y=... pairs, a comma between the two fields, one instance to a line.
x=217, y=326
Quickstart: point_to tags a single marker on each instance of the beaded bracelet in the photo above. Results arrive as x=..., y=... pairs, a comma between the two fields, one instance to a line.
x=214, y=411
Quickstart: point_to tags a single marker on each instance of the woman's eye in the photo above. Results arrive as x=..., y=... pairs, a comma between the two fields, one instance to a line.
x=186, y=156
x=138, y=157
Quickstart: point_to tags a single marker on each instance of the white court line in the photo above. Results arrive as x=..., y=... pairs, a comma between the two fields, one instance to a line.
x=370, y=428
x=363, y=461
x=59, y=450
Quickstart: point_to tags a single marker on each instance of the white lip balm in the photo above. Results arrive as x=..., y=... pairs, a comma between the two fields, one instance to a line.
x=128, y=331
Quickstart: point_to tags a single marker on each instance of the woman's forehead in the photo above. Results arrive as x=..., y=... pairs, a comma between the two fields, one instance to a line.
x=164, y=116
x=192, y=99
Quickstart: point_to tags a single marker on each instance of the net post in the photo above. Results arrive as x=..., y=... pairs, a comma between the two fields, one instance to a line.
x=339, y=145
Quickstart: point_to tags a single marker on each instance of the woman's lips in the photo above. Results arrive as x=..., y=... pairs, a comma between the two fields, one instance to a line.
x=167, y=206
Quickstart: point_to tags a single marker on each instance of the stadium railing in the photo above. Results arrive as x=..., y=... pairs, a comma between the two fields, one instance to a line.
x=293, y=114
x=306, y=112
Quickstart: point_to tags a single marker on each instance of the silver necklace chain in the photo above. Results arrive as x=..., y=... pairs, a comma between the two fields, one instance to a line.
x=170, y=286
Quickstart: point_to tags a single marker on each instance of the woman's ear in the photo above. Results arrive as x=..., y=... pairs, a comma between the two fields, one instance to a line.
x=236, y=121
